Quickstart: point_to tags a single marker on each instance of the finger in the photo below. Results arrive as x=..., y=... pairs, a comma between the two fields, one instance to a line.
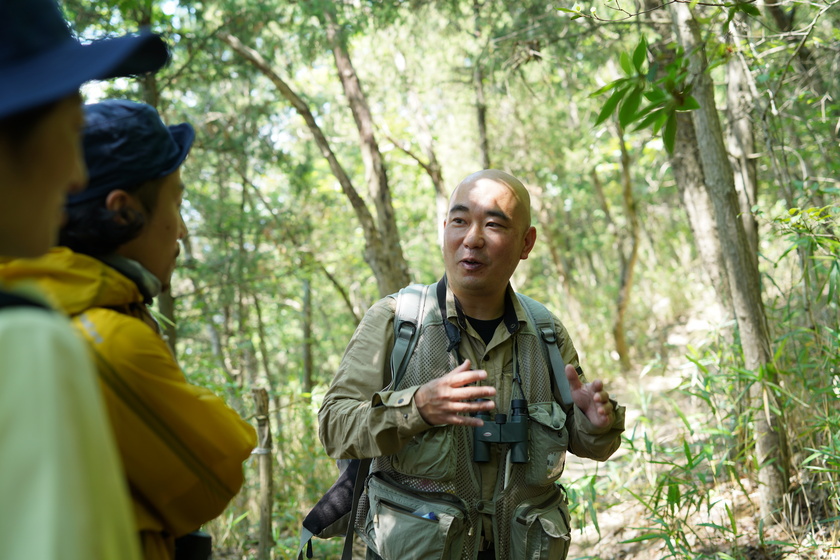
x=572, y=376
x=465, y=366
x=472, y=393
x=458, y=420
x=457, y=378
x=470, y=407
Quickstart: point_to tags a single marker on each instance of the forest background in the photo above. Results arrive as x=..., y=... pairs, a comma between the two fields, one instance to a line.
x=683, y=162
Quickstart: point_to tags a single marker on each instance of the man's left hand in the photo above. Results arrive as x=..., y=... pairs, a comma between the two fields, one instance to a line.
x=591, y=398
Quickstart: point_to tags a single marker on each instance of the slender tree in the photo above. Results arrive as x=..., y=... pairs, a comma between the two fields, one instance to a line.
x=742, y=271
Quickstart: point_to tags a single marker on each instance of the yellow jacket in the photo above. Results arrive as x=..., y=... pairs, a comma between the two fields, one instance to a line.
x=182, y=447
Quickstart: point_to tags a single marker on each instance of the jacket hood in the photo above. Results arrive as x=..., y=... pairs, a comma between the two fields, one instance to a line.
x=72, y=281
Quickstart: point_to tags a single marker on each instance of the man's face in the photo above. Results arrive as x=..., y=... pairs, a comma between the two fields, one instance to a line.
x=157, y=247
x=485, y=235
x=37, y=176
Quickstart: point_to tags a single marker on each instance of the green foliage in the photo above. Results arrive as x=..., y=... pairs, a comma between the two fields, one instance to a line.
x=267, y=219
x=665, y=95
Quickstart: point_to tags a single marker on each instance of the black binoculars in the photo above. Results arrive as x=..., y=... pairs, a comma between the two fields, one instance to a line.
x=500, y=429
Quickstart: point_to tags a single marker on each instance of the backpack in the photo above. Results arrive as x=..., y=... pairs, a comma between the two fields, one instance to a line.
x=333, y=514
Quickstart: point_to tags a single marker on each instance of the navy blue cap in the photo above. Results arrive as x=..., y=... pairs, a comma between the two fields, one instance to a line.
x=41, y=61
x=126, y=144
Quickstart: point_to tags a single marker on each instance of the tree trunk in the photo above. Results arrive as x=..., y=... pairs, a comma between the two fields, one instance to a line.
x=271, y=379
x=628, y=262
x=742, y=271
x=689, y=178
x=383, y=255
x=217, y=345
x=306, y=318
x=245, y=349
x=389, y=256
x=263, y=452
x=740, y=141
x=480, y=102
x=688, y=175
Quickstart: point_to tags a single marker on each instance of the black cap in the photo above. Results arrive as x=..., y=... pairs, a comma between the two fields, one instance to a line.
x=126, y=144
x=41, y=61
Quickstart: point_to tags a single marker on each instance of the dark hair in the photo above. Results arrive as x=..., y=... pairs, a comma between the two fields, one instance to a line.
x=16, y=128
x=92, y=229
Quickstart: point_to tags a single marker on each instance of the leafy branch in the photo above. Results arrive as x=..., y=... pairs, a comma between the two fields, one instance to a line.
x=665, y=96
x=576, y=12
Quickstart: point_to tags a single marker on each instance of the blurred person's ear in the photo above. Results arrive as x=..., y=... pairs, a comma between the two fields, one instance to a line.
x=118, y=201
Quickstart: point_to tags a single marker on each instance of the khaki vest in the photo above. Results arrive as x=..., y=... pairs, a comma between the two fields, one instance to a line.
x=441, y=459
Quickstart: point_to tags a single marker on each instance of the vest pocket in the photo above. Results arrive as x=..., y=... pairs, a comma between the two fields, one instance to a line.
x=548, y=443
x=428, y=455
x=403, y=523
x=541, y=531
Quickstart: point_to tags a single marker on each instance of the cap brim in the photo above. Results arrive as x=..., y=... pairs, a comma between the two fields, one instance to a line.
x=183, y=134
x=60, y=72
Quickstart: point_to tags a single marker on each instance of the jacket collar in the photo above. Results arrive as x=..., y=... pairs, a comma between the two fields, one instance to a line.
x=146, y=282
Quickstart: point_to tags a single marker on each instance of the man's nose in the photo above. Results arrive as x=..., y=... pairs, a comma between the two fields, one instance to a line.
x=474, y=236
x=183, y=228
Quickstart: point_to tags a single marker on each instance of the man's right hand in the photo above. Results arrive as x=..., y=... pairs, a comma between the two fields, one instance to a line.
x=447, y=399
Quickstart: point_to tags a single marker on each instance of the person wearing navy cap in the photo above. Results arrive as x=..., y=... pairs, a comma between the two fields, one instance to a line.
x=181, y=446
x=61, y=488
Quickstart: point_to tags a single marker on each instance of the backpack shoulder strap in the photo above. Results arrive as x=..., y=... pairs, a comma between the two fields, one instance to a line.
x=8, y=299
x=544, y=324
x=411, y=301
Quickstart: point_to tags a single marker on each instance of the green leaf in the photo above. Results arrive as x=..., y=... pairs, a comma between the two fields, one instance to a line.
x=608, y=87
x=749, y=9
x=652, y=72
x=656, y=96
x=626, y=64
x=670, y=133
x=689, y=104
x=642, y=113
x=629, y=107
x=610, y=105
x=674, y=494
x=642, y=538
x=640, y=55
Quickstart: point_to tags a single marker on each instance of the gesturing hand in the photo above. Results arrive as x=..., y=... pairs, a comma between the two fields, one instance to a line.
x=591, y=398
x=445, y=400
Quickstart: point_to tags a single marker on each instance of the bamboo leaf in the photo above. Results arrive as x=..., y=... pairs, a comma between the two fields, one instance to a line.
x=629, y=106
x=640, y=55
x=626, y=64
x=651, y=119
x=689, y=104
x=608, y=87
x=610, y=105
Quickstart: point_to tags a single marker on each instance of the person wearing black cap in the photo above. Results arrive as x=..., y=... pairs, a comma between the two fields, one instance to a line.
x=61, y=488
x=182, y=447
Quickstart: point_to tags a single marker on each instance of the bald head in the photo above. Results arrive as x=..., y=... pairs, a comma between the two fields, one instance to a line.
x=486, y=234
x=517, y=189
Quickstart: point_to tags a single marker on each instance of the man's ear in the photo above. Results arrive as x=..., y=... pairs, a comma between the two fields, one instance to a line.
x=530, y=240
x=118, y=201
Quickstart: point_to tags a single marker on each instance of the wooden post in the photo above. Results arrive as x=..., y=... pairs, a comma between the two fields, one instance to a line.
x=265, y=460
